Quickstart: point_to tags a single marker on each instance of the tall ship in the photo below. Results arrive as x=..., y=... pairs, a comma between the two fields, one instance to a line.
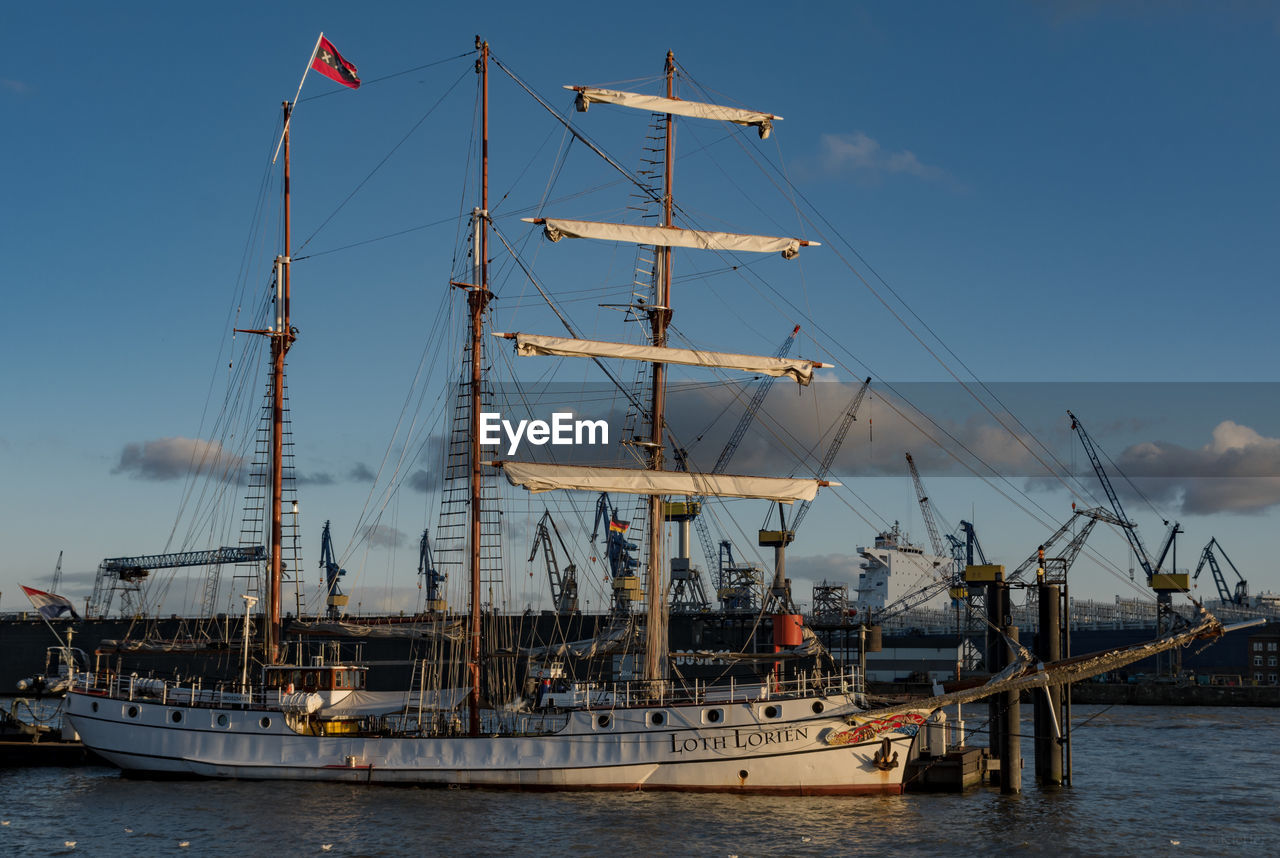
x=610, y=711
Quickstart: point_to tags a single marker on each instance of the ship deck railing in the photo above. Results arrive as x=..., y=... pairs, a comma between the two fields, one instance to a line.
x=174, y=692
x=641, y=693
x=576, y=695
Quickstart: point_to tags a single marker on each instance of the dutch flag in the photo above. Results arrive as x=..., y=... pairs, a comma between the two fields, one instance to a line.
x=49, y=605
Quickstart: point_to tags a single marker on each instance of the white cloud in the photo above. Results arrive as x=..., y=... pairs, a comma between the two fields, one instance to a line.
x=1238, y=470
x=175, y=458
x=857, y=152
x=381, y=536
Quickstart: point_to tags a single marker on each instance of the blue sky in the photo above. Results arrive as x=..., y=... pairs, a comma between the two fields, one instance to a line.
x=1061, y=192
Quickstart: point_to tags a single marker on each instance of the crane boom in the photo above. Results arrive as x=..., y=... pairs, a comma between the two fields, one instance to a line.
x=57, y=575
x=763, y=385
x=1094, y=514
x=926, y=508
x=909, y=601
x=850, y=415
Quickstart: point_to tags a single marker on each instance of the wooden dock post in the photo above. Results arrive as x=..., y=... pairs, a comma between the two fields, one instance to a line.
x=1048, y=702
x=1010, y=725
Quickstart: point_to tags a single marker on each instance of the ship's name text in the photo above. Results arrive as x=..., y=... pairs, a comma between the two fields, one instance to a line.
x=740, y=740
x=562, y=430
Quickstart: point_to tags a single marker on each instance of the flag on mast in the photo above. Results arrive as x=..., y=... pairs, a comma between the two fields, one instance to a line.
x=49, y=605
x=330, y=63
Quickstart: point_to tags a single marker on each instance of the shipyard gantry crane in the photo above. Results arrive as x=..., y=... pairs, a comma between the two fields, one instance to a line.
x=1240, y=595
x=126, y=574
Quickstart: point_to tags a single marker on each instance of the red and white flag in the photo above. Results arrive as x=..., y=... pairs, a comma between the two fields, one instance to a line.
x=330, y=63
x=49, y=605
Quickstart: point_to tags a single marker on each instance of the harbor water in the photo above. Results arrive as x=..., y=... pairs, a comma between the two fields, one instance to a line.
x=1148, y=781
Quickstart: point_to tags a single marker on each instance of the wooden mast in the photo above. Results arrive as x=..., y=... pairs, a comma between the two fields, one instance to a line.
x=478, y=298
x=281, y=339
x=656, y=642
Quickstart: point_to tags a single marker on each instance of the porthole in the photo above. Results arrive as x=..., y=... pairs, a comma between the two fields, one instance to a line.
x=132, y=711
x=94, y=706
x=772, y=711
x=604, y=720
x=175, y=717
x=714, y=716
x=656, y=718
x=265, y=722
x=818, y=707
x=222, y=720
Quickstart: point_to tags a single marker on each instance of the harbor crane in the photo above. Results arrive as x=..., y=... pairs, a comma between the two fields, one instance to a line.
x=620, y=553
x=1238, y=596
x=1165, y=584
x=432, y=577
x=962, y=551
x=335, y=600
x=564, y=582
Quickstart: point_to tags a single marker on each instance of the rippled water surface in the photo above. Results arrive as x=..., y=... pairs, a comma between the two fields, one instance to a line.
x=1148, y=781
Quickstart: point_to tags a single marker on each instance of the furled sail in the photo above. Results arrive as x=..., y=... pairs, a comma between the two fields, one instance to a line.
x=536, y=344
x=588, y=95
x=546, y=478
x=662, y=236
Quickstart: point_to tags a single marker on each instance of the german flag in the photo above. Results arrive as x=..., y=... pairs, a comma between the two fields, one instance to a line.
x=618, y=526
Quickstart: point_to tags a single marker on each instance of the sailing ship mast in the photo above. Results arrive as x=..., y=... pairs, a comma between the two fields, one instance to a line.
x=663, y=237
x=478, y=297
x=282, y=336
x=281, y=339
x=656, y=643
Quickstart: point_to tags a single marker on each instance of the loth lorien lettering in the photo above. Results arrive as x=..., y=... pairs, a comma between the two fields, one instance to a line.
x=738, y=740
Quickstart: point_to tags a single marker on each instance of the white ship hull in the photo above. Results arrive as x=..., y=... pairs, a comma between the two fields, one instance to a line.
x=781, y=746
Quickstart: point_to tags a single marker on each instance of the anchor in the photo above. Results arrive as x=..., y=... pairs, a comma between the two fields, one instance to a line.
x=884, y=762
